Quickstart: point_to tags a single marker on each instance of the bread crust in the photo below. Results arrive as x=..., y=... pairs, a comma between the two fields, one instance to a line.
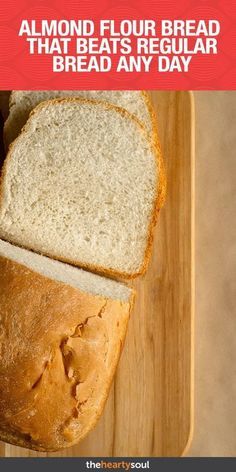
x=160, y=190
x=39, y=316
x=12, y=101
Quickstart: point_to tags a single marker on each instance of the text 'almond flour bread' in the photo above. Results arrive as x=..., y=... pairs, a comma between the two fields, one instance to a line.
x=83, y=184
x=61, y=334
x=22, y=102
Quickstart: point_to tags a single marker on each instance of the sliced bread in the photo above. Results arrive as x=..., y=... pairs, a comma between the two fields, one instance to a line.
x=61, y=333
x=83, y=183
x=22, y=102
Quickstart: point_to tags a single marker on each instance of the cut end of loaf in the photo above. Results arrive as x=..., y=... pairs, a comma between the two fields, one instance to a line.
x=66, y=274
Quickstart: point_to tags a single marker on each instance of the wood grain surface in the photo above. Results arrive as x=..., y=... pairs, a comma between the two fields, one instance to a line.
x=150, y=407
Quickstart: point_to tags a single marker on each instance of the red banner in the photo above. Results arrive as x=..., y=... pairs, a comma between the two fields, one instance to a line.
x=165, y=44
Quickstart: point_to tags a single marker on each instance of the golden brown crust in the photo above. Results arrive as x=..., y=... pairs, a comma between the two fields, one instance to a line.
x=7, y=124
x=160, y=192
x=59, y=351
x=161, y=165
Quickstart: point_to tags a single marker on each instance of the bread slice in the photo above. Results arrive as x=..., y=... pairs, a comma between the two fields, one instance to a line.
x=22, y=102
x=61, y=334
x=82, y=184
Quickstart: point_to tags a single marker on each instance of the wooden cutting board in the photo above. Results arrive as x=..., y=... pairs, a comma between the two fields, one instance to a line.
x=150, y=408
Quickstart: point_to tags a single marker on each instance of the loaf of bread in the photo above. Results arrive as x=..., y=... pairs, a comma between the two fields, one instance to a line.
x=22, y=102
x=61, y=334
x=83, y=183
